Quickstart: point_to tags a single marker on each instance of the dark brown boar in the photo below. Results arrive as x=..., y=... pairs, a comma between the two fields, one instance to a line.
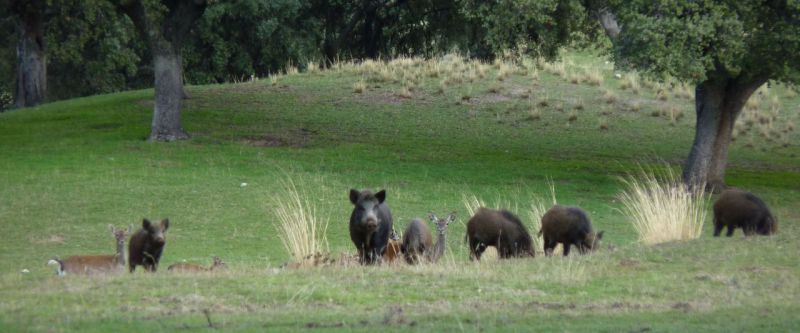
x=740, y=209
x=568, y=226
x=417, y=241
x=146, y=245
x=498, y=228
x=370, y=225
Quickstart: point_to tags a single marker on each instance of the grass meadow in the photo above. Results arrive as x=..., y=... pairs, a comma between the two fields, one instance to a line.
x=433, y=134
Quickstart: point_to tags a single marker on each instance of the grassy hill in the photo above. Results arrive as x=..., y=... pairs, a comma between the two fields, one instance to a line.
x=432, y=133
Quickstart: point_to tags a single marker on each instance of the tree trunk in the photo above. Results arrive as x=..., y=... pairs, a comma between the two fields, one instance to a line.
x=169, y=94
x=717, y=104
x=31, y=62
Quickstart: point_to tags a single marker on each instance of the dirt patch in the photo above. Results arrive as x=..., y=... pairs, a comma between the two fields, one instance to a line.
x=383, y=98
x=105, y=126
x=298, y=138
x=145, y=103
x=52, y=239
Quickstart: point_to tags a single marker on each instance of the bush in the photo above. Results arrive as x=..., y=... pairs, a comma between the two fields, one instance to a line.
x=6, y=100
x=664, y=209
x=301, y=230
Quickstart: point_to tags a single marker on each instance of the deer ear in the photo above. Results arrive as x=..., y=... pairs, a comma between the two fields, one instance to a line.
x=130, y=228
x=146, y=223
x=113, y=230
x=381, y=196
x=433, y=217
x=451, y=217
x=164, y=224
x=354, y=195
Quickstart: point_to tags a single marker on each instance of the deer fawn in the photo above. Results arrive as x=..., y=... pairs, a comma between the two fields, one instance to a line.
x=185, y=267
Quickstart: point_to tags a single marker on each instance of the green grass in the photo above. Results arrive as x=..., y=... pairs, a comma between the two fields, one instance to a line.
x=70, y=168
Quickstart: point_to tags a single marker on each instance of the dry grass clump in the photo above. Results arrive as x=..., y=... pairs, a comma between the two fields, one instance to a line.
x=683, y=90
x=301, y=230
x=534, y=113
x=557, y=68
x=609, y=96
x=404, y=91
x=603, y=124
x=662, y=208
x=359, y=87
x=593, y=77
x=635, y=106
x=630, y=81
x=572, y=116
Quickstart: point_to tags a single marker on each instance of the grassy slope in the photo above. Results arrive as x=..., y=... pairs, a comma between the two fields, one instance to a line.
x=70, y=168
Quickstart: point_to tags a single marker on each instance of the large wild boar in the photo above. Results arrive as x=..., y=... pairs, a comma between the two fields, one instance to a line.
x=740, y=209
x=370, y=225
x=498, y=228
x=146, y=245
x=568, y=226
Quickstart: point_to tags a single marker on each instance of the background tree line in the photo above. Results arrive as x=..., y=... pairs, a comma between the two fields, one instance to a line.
x=92, y=47
x=64, y=48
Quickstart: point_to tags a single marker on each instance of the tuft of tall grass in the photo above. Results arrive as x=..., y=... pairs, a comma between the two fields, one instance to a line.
x=662, y=208
x=301, y=230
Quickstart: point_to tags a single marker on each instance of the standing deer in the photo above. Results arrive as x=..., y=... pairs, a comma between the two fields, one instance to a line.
x=441, y=228
x=186, y=267
x=95, y=263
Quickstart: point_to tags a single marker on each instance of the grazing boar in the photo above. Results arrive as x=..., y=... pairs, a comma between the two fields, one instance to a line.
x=740, y=209
x=568, y=226
x=498, y=228
x=146, y=245
x=186, y=267
x=417, y=241
x=95, y=263
x=370, y=225
x=441, y=229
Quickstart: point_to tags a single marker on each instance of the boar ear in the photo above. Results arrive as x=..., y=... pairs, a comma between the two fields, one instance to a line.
x=381, y=196
x=164, y=224
x=146, y=223
x=354, y=195
x=600, y=235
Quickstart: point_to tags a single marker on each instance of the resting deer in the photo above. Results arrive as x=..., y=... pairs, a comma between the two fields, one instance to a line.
x=393, y=248
x=95, y=263
x=185, y=267
x=441, y=229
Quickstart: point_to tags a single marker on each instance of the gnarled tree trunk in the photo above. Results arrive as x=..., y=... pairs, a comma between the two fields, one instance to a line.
x=718, y=103
x=166, y=124
x=164, y=35
x=31, y=60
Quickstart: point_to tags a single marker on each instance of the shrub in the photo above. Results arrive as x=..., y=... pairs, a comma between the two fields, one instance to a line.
x=663, y=208
x=301, y=230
